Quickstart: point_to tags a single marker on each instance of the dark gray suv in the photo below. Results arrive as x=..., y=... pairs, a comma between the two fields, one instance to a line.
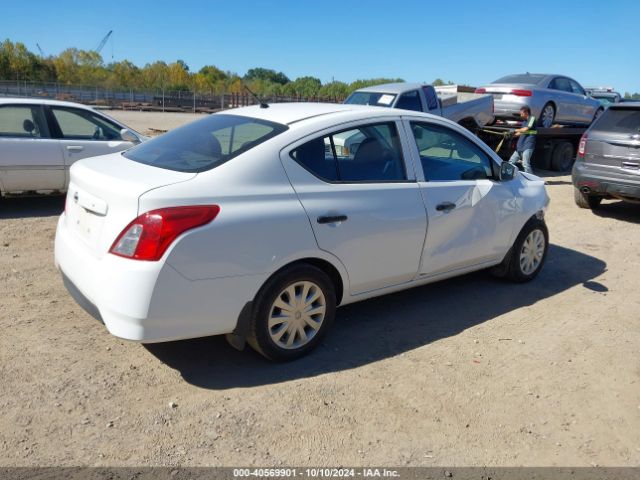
x=608, y=161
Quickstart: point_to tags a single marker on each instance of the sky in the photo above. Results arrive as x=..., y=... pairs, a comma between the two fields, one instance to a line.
x=467, y=42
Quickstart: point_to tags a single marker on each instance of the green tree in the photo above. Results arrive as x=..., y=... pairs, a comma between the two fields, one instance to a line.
x=335, y=89
x=266, y=74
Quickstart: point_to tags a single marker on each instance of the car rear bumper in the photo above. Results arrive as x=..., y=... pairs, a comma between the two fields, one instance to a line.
x=596, y=182
x=149, y=301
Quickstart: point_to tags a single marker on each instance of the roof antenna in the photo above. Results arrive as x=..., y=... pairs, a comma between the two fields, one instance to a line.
x=260, y=101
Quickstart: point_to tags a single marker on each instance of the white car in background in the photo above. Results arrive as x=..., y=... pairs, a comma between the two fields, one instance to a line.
x=40, y=139
x=247, y=223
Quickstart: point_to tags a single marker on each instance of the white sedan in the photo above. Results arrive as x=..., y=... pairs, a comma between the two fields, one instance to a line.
x=249, y=222
x=40, y=139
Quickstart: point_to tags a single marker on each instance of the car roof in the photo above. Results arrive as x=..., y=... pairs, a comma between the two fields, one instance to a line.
x=291, y=113
x=398, y=87
x=45, y=101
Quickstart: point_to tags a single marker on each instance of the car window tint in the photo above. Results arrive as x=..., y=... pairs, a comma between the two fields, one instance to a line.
x=430, y=95
x=575, y=88
x=80, y=124
x=205, y=144
x=369, y=153
x=410, y=101
x=447, y=155
x=371, y=98
x=240, y=136
x=561, y=83
x=620, y=120
x=25, y=121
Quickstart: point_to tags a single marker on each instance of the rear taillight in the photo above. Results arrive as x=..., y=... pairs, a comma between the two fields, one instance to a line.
x=481, y=90
x=582, y=146
x=521, y=93
x=149, y=235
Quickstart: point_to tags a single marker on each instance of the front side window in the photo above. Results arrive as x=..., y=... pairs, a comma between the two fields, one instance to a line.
x=370, y=153
x=78, y=124
x=204, y=144
x=22, y=121
x=447, y=155
x=575, y=88
x=410, y=101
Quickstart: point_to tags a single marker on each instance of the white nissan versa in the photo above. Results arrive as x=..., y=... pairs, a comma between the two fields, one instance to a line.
x=250, y=223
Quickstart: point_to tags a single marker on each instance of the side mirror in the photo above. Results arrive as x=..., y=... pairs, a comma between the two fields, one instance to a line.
x=128, y=136
x=507, y=171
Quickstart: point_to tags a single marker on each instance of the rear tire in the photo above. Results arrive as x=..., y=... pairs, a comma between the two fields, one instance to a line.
x=527, y=255
x=584, y=200
x=547, y=116
x=562, y=156
x=283, y=326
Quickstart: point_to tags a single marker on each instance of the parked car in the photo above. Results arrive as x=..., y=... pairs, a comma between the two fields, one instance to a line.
x=470, y=110
x=40, y=139
x=551, y=98
x=606, y=96
x=608, y=161
x=244, y=223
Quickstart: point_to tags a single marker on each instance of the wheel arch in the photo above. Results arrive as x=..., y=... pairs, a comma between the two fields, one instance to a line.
x=470, y=124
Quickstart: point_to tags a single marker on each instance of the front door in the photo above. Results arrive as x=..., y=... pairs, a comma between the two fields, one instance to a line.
x=470, y=213
x=363, y=205
x=84, y=134
x=29, y=158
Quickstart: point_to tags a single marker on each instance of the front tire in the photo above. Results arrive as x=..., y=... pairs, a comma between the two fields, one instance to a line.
x=294, y=310
x=527, y=255
x=586, y=201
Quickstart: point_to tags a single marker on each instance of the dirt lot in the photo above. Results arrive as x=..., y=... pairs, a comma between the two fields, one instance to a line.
x=471, y=371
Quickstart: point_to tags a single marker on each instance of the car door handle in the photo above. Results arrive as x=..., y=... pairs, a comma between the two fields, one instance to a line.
x=445, y=207
x=75, y=148
x=332, y=219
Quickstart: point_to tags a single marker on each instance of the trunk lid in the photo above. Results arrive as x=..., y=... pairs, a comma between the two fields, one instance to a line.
x=104, y=193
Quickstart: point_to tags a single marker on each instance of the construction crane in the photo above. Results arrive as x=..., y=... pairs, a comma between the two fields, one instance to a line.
x=40, y=50
x=103, y=42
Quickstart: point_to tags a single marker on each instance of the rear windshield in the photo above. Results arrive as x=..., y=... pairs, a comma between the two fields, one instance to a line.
x=371, y=98
x=528, y=78
x=621, y=120
x=204, y=144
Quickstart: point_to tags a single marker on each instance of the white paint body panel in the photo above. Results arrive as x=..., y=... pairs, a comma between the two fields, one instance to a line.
x=268, y=206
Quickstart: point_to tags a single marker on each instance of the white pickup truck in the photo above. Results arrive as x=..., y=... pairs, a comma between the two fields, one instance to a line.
x=471, y=110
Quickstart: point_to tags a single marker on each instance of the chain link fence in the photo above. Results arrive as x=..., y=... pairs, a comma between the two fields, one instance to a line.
x=145, y=100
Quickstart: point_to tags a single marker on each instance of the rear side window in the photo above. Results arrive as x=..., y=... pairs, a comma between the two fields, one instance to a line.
x=561, y=83
x=410, y=101
x=432, y=99
x=22, y=121
x=369, y=153
x=204, y=144
x=621, y=120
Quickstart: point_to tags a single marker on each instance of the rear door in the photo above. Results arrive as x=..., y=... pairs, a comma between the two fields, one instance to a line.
x=83, y=133
x=29, y=158
x=613, y=142
x=363, y=202
x=470, y=213
x=564, y=98
x=584, y=107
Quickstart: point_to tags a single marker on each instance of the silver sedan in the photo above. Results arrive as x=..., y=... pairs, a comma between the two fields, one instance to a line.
x=551, y=98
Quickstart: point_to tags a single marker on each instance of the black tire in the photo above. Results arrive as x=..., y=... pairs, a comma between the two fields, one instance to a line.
x=562, y=156
x=259, y=336
x=584, y=200
x=542, y=115
x=511, y=267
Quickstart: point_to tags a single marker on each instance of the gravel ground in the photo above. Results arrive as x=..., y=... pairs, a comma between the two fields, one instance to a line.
x=467, y=372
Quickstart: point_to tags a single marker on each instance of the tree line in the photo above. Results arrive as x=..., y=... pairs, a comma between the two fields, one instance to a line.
x=87, y=68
